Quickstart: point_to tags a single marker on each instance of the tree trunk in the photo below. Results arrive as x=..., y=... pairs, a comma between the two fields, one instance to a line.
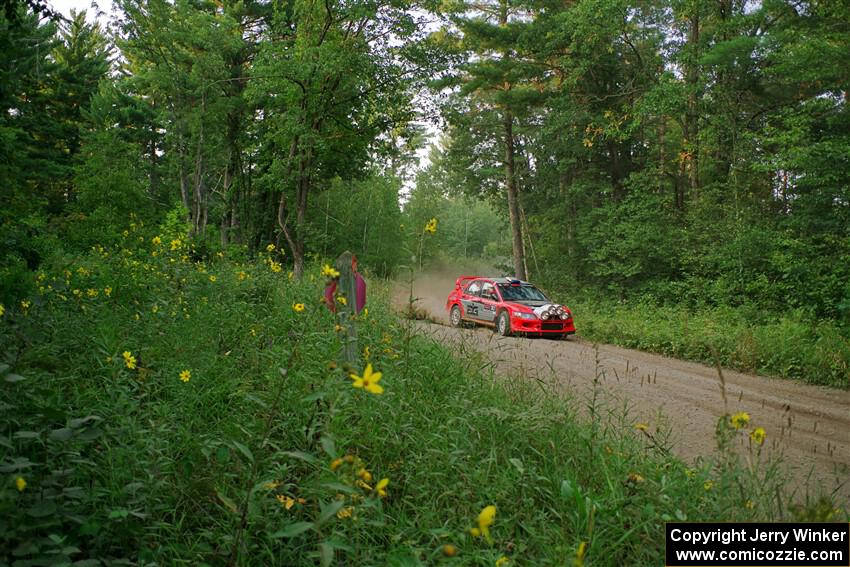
x=513, y=199
x=690, y=159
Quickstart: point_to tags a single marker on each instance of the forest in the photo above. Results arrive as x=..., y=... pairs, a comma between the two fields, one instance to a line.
x=174, y=173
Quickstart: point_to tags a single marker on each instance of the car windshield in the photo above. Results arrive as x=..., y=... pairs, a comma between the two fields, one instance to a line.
x=524, y=292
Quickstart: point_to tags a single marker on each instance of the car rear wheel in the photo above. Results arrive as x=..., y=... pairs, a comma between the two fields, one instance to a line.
x=455, y=317
x=503, y=324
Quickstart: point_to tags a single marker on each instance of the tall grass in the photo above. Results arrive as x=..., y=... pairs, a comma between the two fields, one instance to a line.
x=790, y=345
x=268, y=456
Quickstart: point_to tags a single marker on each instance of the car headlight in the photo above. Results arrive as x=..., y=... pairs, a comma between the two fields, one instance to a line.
x=565, y=315
x=545, y=316
x=531, y=316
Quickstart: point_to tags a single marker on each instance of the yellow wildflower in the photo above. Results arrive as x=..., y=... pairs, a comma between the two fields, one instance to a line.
x=342, y=300
x=449, y=550
x=502, y=561
x=579, y=558
x=241, y=276
x=129, y=359
x=91, y=292
x=431, y=226
x=749, y=504
x=365, y=312
x=20, y=483
x=337, y=328
x=272, y=485
x=486, y=519
x=345, y=513
x=635, y=477
x=336, y=463
x=298, y=307
x=290, y=275
x=270, y=248
x=25, y=304
x=369, y=381
x=641, y=426
x=740, y=419
x=186, y=375
x=287, y=501
x=708, y=485
x=2, y=310
x=366, y=352
x=155, y=309
x=107, y=291
x=176, y=244
x=758, y=435
x=329, y=272
x=587, y=143
x=275, y=267
x=365, y=475
x=156, y=240
x=381, y=487
x=213, y=279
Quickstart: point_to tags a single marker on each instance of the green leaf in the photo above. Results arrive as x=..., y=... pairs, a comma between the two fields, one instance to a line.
x=120, y=513
x=517, y=465
x=330, y=510
x=339, y=487
x=90, y=434
x=292, y=530
x=328, y=446
x=42, y=509
x=313, y=397
x=302, y=456
x=326, y=553
x=80, y=421
x=62, y=434
x=12, y=378
x=243, y=449
x=228, y=503
x=26, y=435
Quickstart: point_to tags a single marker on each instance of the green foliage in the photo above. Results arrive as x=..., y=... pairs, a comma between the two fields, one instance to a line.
x=791, y=345
x=163, y=409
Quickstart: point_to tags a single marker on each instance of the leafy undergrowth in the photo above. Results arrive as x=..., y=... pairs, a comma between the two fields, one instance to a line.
x=790, y=346
x=163, y=408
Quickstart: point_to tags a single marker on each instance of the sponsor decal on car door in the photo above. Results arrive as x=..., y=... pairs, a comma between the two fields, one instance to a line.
x=471, y=300
x=489, y=300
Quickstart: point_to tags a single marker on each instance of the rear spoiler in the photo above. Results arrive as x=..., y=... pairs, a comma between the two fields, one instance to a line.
x=460, y=280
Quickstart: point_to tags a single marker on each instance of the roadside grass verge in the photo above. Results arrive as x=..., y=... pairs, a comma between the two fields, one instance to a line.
x=790, y=346
x=159, y=407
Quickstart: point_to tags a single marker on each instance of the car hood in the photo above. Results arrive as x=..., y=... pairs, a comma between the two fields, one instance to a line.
x=530, y=304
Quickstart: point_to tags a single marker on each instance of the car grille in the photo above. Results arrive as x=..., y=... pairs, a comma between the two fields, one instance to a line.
x=551, y=326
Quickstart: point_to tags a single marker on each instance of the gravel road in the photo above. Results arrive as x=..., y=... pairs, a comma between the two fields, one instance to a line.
x=809, y=426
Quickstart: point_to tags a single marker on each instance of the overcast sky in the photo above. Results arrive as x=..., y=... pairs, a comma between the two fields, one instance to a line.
x=90, y=6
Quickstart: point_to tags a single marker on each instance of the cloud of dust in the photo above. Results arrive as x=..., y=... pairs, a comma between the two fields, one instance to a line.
x=432, y=285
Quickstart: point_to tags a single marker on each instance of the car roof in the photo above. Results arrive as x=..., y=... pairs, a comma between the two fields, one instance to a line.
x=505, y=280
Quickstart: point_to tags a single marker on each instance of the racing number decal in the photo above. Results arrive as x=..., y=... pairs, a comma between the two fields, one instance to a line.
x=472, y=309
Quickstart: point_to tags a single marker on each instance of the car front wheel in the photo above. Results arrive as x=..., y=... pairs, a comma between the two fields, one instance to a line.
x=503, y=324
x=455, y=316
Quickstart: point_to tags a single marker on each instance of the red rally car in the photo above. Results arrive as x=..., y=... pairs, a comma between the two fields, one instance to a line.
x=508, y=305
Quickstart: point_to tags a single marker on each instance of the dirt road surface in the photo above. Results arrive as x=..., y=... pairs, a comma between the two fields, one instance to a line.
x=808, y=426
